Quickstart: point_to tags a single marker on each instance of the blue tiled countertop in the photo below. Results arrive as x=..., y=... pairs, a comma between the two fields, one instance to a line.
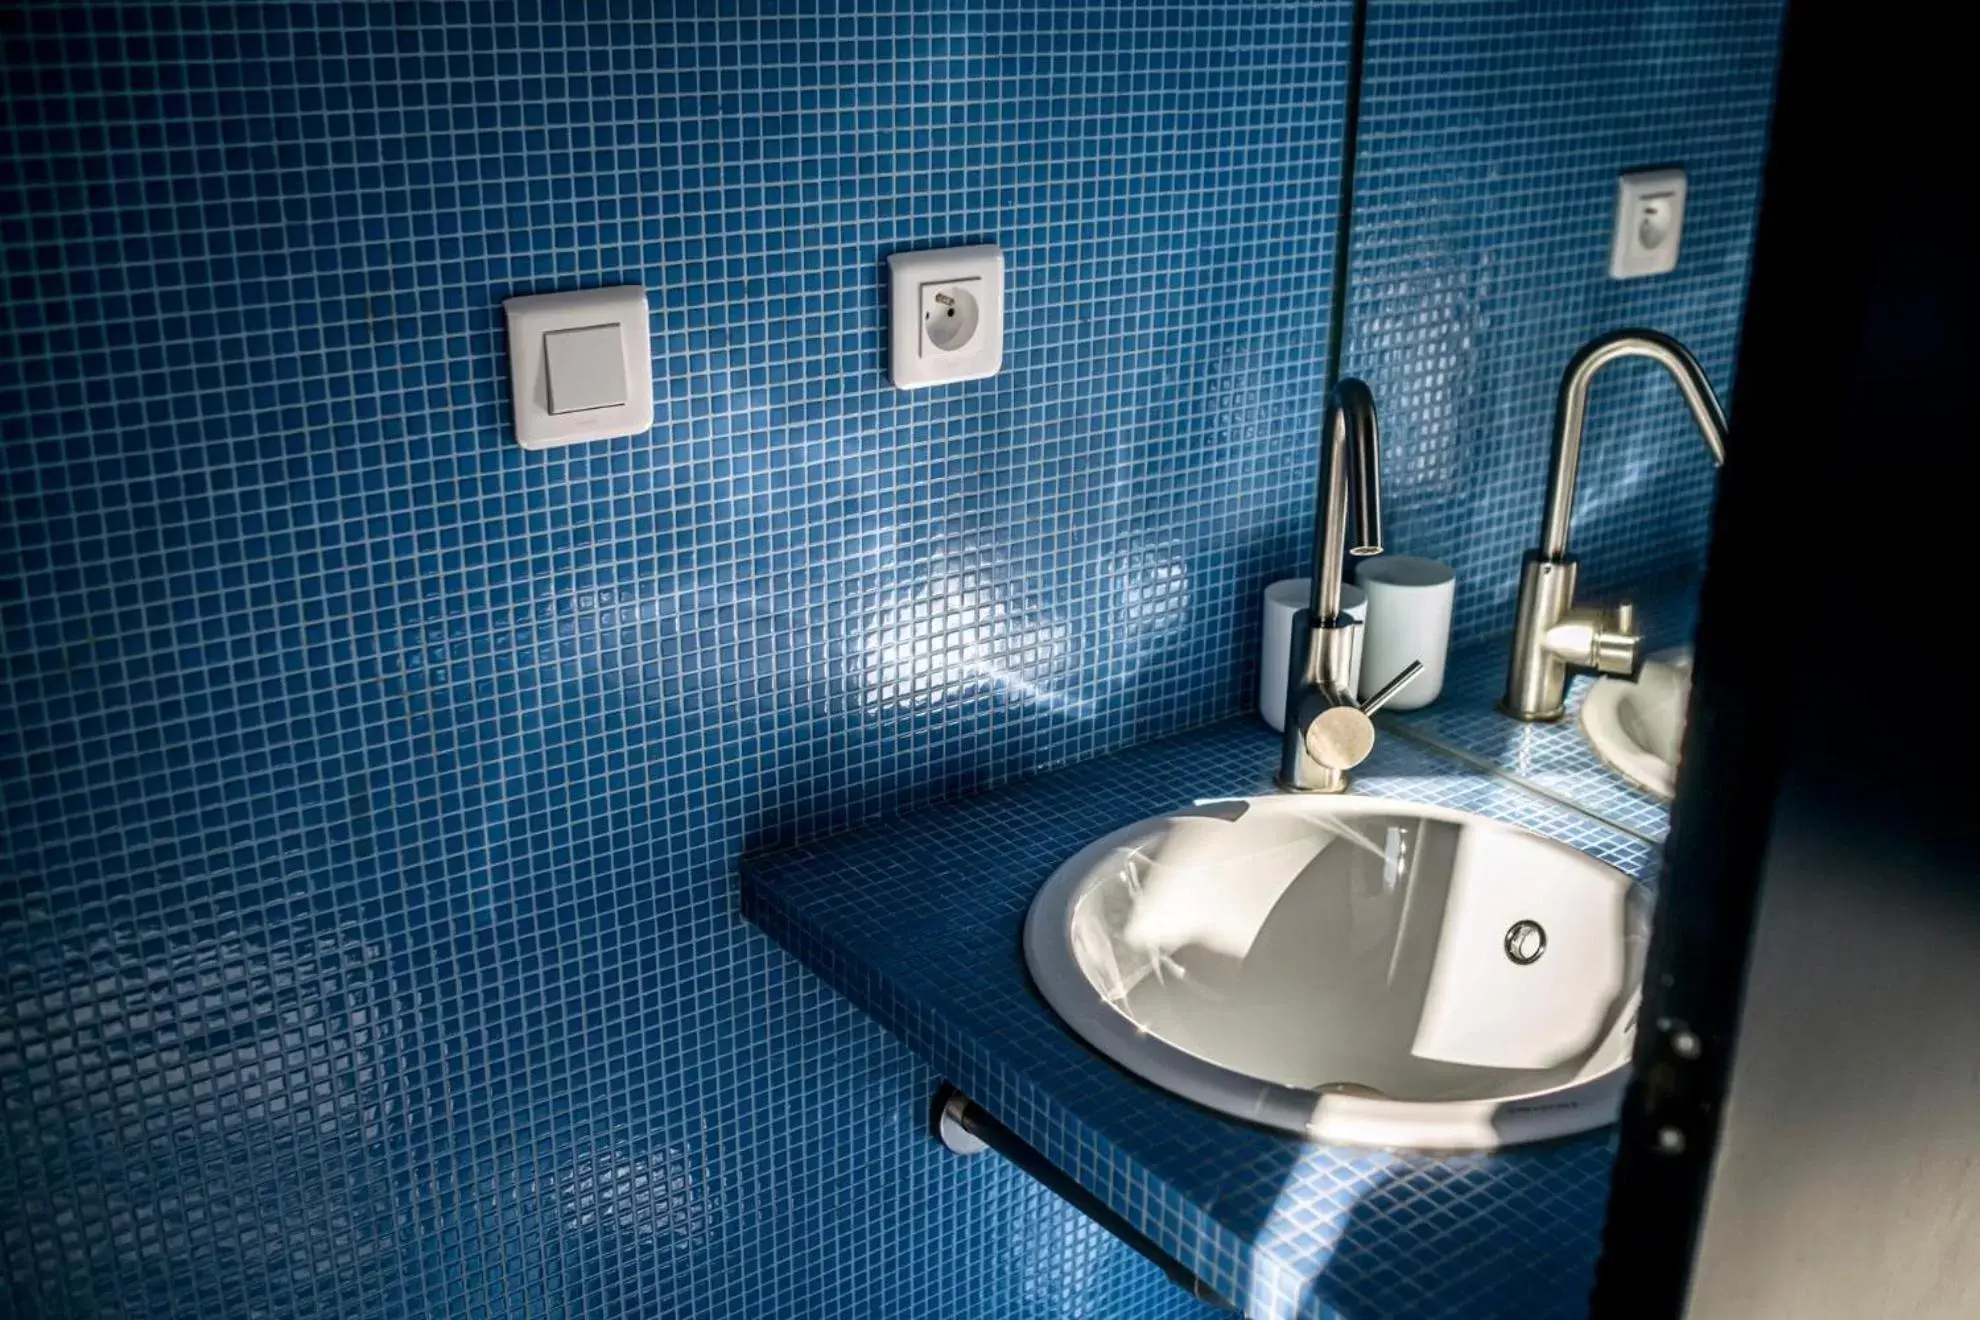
x=919, y=921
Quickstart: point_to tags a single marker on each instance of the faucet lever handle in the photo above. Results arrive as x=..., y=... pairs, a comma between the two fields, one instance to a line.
x=1393, y=686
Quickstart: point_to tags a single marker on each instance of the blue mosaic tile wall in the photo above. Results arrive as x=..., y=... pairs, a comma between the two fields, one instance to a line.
x=373, y=789
x=1493, y=136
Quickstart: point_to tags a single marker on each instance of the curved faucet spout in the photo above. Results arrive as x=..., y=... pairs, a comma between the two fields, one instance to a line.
x=1350, y=491
x=1552, y=635
x=1571, y=414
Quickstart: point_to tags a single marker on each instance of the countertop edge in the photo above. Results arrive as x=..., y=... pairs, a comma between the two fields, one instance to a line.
x=894, y=1010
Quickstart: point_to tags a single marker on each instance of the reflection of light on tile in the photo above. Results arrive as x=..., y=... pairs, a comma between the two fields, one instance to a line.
x=1419, y=330
x=264, y=1065
x=1152, y=591
x=1631, y=480
x=1318, y=1194
x=958, y=633
x=1060, y=1255
x=652, y=1197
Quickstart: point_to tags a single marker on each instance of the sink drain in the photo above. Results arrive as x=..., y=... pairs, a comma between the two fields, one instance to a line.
x=1525, y=942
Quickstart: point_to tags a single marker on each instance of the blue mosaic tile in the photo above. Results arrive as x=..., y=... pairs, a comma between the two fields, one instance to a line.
x=919, y=921
x=1483, y=210
x=371, y=790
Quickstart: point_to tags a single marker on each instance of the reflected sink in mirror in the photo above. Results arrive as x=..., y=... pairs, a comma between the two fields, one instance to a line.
x=1637, y=728
x=1351, y=969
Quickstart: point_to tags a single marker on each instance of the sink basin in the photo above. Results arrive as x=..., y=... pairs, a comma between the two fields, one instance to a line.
x=1351, y=969
x=1637, y=728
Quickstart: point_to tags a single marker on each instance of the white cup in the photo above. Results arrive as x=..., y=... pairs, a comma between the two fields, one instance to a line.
x=1283, y=599
x=1409, y=618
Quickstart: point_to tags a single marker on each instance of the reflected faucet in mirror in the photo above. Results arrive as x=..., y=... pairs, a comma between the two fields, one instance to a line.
x=1551, y=634
x=1328, y=732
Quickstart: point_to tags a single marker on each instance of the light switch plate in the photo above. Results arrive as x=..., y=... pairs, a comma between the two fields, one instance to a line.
x=1649, y=223
x=590, y=326
x=585, y=367
x=945, y=315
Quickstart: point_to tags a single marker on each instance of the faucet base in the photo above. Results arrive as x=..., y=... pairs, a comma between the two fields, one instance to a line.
x=1553, y=716
x=1340, y=785
x=1536, y=679
x=1553, y=638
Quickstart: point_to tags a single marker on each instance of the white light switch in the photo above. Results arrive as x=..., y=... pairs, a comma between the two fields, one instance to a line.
x=582, y=365
x=586, y=368
x=1649, y=223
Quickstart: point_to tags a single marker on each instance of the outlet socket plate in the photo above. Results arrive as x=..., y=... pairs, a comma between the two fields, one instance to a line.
x=945, y=315
x=1649, y=223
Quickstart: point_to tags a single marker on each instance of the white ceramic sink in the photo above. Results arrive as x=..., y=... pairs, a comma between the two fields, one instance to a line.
x=1637, y=728
x=1356, y=970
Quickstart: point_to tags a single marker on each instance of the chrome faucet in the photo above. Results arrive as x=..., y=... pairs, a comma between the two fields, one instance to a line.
x=1553, y=635
x=1327, y=732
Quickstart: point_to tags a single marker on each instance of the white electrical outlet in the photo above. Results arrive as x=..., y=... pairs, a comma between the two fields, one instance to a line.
x=1649, y=223
x=947, y=315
